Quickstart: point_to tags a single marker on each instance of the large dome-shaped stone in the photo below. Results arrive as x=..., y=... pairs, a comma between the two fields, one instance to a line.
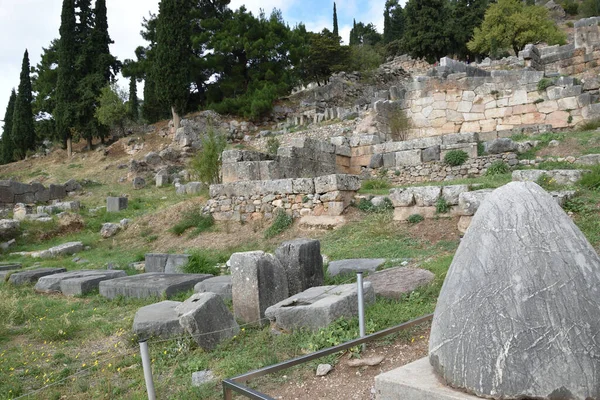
x=519, y=313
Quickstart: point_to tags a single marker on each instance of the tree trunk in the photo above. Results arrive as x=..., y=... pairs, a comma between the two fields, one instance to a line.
x=89, y=143
x=69, y=147
x=176, y=118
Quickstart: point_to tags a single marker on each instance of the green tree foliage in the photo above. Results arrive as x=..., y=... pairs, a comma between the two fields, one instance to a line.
x=466, y=16
x=112, y=111
x=364, y=34
x=7, y=147
x=171, y=69
x=589, y=8
x=133, y=104
x=509, y=24
x=364, y=58
x=336, y=30
x=44, y=82
x=23, y=131
x=426, y=32
x=207, y=163
x=325, y=56
x=393, y=21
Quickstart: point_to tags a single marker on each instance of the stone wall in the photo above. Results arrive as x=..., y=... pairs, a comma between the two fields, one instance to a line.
x=257, y=200
x=12, y=192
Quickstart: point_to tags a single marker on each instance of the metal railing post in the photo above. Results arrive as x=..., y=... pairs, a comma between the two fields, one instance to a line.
x=361, y=306
x=147, y=369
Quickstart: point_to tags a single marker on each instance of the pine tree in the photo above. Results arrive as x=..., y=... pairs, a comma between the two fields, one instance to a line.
x=427, y=32
x=134, y=104
x=23, y=131
x=66, y=87
x=336, y=31
x=466, y=16
x=173, y=55
x=8, y=145
x=393, y=21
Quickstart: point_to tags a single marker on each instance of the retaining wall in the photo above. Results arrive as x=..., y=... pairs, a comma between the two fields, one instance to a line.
x=12, y=192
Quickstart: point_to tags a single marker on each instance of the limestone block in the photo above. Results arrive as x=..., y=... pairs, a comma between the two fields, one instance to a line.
x=116, y=204
x=53, y=283
x=464, y=106
x=426, y=196
x=452, y=193
x=431, y=154
x=499, y=146
x=463, y=223
x=150, y=284
x=57, y=192
x=393, y=283
x=518, y=97
x=454, y=116
x=520, y=240
x=470, y=127
x=402, y=197
x=352, y=266
x=460, y=138
x=568, y=103
x=259, y=281
x=470, y=149
x=109, y=230
x=32, y=276
x=330, y=183
x=473, y=116
x=469, y=202
x=558, y=119
x=302, y=262
x=220, y=285
x=279, y=186
x=158, y=320
x=498, y=112
x=524, y=109
x=408, y=157
x=591, y=112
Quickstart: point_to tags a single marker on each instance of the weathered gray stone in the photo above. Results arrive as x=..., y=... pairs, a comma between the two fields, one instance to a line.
x=116, y=204
x=469, y=202
x=199, y=378
x=87, y=284
x=559, y=176
x=8, y=228
x=206, y=317
x=259, y=281
x=392, y=283
x=408, y=157
x=194, y=187
x=323, y=369
x=158, y=320
x=431, y=154
x=31, y=276
x=318, y=307
x=175, y=262
x=152, y=158
x=71, y=185
x=499, y=146
x=590, y=159
x=352, y=266
x=155, y=262
x=521, y=254
x=109, y=230
x=402, y=197
x=52, y=283
x=426, y=196
x=458, y=138
x=452, y=193
x=303, y=264
x=150, y=285
x=220, y=285
x=57, y=192
x=376, y=161
x=139, y=183
x=162, y=178
x=331, y=183
x=10, y=266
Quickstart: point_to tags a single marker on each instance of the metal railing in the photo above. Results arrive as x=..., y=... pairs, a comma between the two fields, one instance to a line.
x=236, y=384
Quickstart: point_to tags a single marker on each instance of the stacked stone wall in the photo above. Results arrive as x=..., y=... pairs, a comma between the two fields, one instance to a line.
x=12, y=192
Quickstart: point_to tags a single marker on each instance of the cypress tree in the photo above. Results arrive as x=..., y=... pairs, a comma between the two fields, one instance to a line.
x=66, y=86
x=134, y=104
x=8, y=145
x=335, y=21
x=426, y=33
x=23, y=131
x=353, y=34
x=172, y=65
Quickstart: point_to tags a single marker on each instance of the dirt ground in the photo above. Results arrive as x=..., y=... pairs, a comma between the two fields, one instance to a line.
x=346, y=382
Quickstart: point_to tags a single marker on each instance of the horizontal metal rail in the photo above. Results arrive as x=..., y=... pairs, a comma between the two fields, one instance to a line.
x=237, y=383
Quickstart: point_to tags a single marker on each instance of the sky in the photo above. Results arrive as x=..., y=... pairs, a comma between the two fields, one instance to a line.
x=32, y=24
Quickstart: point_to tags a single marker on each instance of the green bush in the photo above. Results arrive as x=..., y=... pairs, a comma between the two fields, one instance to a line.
x=498, y=168
x=207, y=163
x=591, y=180
x=415, y=219
x=281, y=222
x=589, y=8
x=367, y=206
x=571, y=8
x=374, y=184
x=544, y=84
x=273, y=145
x=455, y=157
x=480, y=149
x=202, y=263
x=399, y=124
x=442, y=206
x=193, y=219
x=590, y=125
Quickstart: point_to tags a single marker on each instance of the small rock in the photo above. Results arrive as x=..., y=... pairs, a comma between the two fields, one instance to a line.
x=139, y=183
x=554, y=143
x=109, y=230
x=323, y=369
x=201, y=377
x=124, y=223
x=366, y=362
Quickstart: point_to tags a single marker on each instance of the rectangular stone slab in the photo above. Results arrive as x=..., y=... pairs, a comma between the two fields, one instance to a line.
x=32, y=276
x=150, y=284
x=10, y=267
x=86, y=284
x=52, y=283
x=415, y=381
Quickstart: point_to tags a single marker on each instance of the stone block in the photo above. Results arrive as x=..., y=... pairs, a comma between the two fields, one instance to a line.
x=53, y=283
x=352, y=266
x=57, y=192
x=259, y=281
x=207, y=319
x=10, y=266
x=32, y=276
x=175, y=263
x=330, y=183
x=430, y=154
x=155, y=262
x=402, y=197
x=408, y=157
x=9, y=228
x=302, y=262
x=150, y=285
x=87, y=284
x=116, y=204
x=426, y=196
x=452, y=193
x=220, y=285
x=159, y=320
x=458, y=138
x=590, y=159
x=393, y=283
x=318, y=307
x=499, y=146
x=389, y=160
x=415, y=381
x=469, y=202
x=7, y=196
x=303, y=186
x=194, y=187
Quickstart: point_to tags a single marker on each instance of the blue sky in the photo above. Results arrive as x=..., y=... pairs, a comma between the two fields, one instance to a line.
x=32, y=24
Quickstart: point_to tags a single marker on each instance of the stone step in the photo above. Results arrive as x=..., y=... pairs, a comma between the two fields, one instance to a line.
x=150, y=284
x=32, y=276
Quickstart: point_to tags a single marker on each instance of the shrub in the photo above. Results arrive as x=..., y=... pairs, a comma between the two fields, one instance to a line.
x=207, y=163
x=498, y=168
x=367, y=206
x=201, y=263
x=547, y=182
x=442, y=206
x=399, y=124
x=415, y=219
x=455, y=157
x=480, y=149
x=591, y=180
x=569, y=24
x=193, y=219
x=570, y=7
x=544, y=84
x=273, y=145
x=590, y=125
x=373, y=184
x=281, y=223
